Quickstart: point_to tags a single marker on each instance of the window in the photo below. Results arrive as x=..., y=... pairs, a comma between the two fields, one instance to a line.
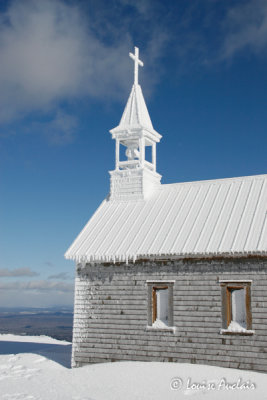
x=160, y=304
x=236, y=307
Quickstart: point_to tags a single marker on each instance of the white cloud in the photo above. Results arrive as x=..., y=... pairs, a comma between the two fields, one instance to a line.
x=9, y=298
x=49, y=54
x=41, y=293
x=49, y=264
x=54, y=52
x=61, y=129
x=4, y=272
x=62, y=275
x=38, y=286
x=143, y=7
x=245, y=28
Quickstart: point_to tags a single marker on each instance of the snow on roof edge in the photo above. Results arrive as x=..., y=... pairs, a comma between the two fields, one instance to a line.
x=133, y=258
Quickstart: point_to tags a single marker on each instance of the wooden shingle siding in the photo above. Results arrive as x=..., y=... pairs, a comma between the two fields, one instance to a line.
x=111, y=314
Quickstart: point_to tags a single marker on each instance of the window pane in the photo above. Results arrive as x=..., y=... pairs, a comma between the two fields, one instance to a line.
x=239, y=306
x=162, y=305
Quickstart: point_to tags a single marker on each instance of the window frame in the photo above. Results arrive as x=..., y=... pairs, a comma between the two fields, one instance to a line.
x=152, y=286
x=227, y=286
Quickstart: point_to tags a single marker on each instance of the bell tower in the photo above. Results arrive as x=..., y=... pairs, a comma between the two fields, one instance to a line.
x=135, y=173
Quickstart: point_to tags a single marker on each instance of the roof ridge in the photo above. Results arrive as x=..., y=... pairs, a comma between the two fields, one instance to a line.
x=237, y=178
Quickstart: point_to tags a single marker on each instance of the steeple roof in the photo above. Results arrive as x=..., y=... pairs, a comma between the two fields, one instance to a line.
x=135, y=113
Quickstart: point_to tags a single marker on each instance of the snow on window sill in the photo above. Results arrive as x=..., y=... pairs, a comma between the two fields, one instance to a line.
x=237, y=328
x=235, y=332
x=160, y=325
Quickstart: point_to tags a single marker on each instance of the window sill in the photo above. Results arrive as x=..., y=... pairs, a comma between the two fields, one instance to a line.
x=167, y=329
x=240, y=333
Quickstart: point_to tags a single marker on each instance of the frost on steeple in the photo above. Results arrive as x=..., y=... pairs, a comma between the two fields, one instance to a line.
x=135, y=174
x=135, y=113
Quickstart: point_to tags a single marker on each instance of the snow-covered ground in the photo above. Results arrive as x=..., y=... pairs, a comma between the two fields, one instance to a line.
x=36, y=368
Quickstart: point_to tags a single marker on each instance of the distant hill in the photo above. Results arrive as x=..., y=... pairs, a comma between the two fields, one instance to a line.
x=54, y=321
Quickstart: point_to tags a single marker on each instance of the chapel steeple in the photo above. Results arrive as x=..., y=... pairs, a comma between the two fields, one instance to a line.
x=135, y=174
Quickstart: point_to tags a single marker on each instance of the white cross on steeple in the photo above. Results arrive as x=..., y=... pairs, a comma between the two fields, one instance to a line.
x=137, y=62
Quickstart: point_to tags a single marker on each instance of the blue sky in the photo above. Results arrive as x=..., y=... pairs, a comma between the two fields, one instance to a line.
x=65, y=76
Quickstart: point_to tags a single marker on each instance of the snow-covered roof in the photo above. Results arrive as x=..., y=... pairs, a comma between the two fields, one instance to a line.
x=203, y=218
